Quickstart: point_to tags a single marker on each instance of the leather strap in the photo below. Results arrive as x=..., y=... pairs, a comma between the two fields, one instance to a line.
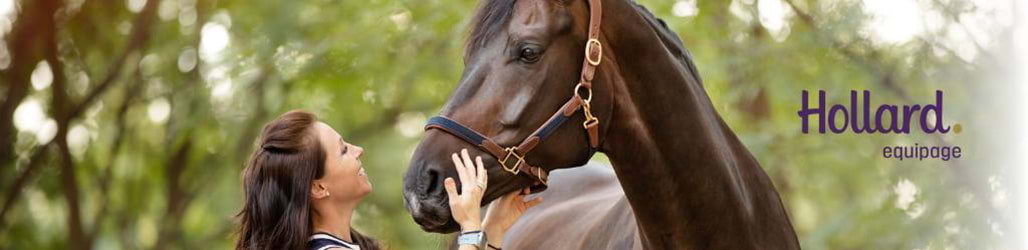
x=593, y=58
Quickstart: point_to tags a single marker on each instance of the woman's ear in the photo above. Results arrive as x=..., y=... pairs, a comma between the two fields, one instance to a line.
x=319, y=190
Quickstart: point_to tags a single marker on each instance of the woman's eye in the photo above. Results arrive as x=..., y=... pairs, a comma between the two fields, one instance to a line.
x=529, y=54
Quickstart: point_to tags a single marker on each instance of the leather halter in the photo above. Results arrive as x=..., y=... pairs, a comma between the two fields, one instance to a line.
x=512, y=158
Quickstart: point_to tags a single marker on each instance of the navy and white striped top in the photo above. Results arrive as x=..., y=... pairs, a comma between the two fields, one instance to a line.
x=323, y=241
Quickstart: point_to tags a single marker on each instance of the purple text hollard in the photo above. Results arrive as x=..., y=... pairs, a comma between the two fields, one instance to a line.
x=859, y=118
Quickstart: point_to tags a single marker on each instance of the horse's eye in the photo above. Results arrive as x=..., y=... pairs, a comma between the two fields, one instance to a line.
x=529, y=54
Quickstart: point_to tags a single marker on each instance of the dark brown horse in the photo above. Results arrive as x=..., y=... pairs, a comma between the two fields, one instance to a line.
x=688, y=179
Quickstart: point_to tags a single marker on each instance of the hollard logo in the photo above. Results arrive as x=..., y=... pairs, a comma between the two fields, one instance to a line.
x=885, y=119
x=858, y=117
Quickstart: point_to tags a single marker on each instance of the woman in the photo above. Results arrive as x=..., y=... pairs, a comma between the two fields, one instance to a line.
x=303, y=182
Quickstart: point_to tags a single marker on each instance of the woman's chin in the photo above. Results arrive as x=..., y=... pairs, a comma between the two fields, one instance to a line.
x=367, y=185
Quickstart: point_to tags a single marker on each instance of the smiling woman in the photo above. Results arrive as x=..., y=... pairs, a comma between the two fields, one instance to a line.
x=304, y=182
x=298, y=163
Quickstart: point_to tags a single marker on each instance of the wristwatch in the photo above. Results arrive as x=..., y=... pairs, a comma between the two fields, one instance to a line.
x=475, y=238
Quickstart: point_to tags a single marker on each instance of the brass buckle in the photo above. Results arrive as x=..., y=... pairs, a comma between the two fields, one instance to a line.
x=515, y=169
x=589, y=46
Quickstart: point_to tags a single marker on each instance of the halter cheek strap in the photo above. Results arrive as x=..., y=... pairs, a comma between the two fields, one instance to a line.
x=512, y=158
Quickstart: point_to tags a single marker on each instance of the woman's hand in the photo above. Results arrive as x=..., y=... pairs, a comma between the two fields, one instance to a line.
x=465, y=207
x=504, y=212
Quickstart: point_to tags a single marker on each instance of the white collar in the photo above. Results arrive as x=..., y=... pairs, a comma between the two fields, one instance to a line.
x=334, y=239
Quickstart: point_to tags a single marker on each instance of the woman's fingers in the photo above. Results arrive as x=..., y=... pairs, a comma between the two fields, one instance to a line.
x=483, y=176
x=457, y=162
x=461, y=172
x=471, y=173
x=531, y=203
x=451, y=190
x=512, y=198
x=468, y=164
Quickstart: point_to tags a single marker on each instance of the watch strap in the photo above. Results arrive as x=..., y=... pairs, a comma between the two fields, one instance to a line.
x=476, y=238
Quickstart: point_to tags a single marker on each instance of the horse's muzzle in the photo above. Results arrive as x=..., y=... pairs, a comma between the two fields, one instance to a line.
x=433, y=215
x=423, y=191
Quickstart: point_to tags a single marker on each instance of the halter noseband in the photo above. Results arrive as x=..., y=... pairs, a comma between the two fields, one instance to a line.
x=512, y=159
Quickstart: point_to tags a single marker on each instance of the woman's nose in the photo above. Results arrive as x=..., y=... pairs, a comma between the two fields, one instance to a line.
x=360, y=151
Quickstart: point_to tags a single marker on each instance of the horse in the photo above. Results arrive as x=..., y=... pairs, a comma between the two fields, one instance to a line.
x=635, y=90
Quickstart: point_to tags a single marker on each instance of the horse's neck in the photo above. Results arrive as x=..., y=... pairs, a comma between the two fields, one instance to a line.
x=690, y=181
x=678, y=163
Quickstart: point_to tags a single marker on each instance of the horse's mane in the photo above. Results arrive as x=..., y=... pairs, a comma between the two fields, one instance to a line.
x=670, y=40
x=493, y=15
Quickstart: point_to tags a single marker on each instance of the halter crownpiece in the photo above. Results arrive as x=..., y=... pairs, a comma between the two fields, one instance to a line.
x=512, y=158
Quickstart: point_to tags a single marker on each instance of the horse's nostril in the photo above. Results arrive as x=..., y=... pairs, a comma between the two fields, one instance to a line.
x=434, y=182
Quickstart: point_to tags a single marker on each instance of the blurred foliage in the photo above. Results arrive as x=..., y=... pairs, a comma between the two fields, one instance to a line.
x=157, y=103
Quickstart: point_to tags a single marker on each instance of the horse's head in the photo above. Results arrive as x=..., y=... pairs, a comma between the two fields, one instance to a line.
x=522, y=61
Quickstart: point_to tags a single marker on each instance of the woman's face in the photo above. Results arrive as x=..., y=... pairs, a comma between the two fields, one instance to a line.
x=344, y=178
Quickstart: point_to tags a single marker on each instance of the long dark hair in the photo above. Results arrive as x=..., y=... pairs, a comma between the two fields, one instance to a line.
x=276, y=184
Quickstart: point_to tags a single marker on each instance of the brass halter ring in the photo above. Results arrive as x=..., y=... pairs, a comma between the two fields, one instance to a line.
x=585, y=101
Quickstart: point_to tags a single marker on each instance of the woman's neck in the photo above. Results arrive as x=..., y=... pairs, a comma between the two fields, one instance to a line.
x=333, y=219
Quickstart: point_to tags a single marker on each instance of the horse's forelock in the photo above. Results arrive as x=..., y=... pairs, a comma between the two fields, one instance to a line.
x=490, y=19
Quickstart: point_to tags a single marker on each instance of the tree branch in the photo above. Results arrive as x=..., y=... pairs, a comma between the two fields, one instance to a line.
x=178, y=198
x=34, y=27
x=15, y=191
x=105, y=179
x=69, y=184
x=138, y=37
